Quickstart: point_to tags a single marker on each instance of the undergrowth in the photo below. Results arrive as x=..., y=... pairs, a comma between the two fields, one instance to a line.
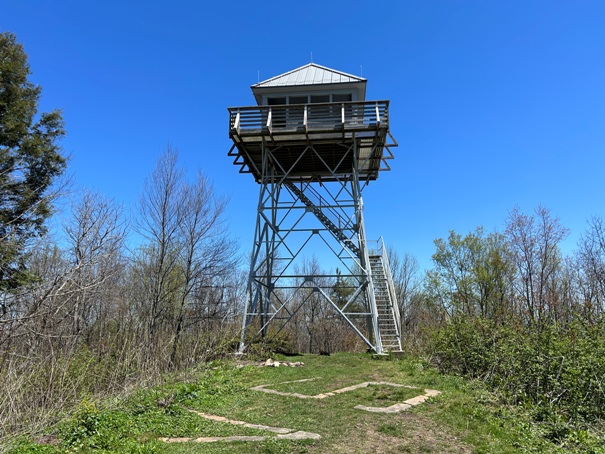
x=466, y=416
x=555, y=372
x=134, y=424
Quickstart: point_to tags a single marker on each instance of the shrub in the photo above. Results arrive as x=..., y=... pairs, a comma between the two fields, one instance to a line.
x=557, y=368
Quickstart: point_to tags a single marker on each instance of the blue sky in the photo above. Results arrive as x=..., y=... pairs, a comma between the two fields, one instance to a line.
x=495, y=104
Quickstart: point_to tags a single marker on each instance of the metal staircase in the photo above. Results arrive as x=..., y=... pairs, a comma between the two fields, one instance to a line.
x=337, y=230
x=387, y=310
x=389, y=324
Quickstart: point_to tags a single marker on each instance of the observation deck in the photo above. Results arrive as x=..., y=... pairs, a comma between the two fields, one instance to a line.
x=311, y=142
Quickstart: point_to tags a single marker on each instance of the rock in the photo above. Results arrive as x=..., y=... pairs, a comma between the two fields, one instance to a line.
x=272, y=363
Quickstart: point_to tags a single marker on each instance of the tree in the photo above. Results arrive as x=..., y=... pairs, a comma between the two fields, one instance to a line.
x=534, y=245
x=407, y=285
x=161, y=212
x=186, y=253
x=471, y=274
x=342, y=290
x=30, y=162
x=75, y=288
x=95, y=236
x=207, y=253
x=590, y=260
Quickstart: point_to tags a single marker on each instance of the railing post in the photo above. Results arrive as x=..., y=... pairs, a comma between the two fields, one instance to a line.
x=269, y=119
x=343, y=114
x=237, y=121
x=377, y=115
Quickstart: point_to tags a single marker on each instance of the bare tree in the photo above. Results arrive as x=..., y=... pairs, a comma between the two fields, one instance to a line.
x=70, y=281
x=207, y=252
x=96, y=237
x=53, y=319
x=187, y=250
x=407, y=282
x=534, y=244
x=590, y=259
x=162, y=207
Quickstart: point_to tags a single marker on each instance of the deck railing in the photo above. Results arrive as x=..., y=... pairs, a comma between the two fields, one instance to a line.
x=296, y=117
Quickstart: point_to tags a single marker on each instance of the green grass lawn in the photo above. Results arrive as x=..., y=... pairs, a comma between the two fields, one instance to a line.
x=464, y=418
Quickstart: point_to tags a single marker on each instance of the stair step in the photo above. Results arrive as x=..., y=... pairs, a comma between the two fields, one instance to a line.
x=389, y=332
x=327, y=222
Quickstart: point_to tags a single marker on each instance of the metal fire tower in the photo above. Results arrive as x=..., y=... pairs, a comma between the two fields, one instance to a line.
x=313, y=143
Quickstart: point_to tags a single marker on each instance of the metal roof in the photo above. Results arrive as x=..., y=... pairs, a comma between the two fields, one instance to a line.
x=311, y=74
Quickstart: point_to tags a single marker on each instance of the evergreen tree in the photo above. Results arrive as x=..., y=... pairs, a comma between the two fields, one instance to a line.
x=30, y=161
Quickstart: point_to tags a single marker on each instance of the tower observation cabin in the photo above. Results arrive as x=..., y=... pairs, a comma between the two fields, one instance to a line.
x=313, y=144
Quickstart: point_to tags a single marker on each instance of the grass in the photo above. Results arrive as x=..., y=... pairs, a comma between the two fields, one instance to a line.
x=464, y=418
x=383, y=395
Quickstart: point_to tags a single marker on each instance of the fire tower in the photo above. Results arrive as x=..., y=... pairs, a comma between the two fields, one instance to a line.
x=313, y=143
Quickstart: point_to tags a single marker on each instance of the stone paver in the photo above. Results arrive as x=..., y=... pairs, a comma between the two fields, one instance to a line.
x=300, y=435
x=282, y=432
x=405, y=405
x=279, y=430
x=212, y=439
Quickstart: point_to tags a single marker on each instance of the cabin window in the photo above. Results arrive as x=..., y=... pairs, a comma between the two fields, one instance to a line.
x=342, y=97
x=348, y=108
x=278, y=117
x=329, y=114
x=298, y=100
x=320, y=98
x=319, y=114
x=276, y=101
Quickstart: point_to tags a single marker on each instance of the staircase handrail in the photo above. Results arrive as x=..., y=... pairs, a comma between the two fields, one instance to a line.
x=318, y=204
x=381, y=251
x=342, y=223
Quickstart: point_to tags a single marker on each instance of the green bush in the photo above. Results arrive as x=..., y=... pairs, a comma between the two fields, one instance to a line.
x=557, y=368
x=265, y=347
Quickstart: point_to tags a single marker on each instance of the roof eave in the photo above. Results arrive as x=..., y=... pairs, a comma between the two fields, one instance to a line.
x=360, y=87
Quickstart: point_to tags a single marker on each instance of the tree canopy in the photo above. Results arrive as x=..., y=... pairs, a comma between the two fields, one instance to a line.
x=30, y=161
